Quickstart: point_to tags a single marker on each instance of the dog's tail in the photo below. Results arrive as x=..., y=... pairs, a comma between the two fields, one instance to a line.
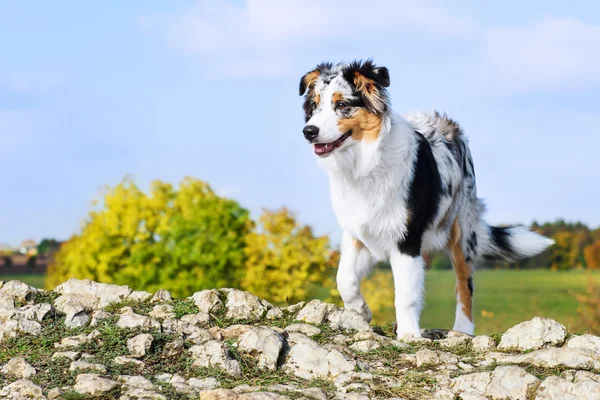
x=512, y=243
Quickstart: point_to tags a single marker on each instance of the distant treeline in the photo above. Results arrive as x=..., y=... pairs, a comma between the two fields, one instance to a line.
x=577, y=246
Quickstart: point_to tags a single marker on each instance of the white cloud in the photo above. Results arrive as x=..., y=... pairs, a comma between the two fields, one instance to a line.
x=554, y=53
x=266, y=33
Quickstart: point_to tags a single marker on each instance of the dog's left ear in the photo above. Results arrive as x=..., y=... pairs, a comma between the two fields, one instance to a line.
x=369, y=82
x=382, y=76
x=308, y=80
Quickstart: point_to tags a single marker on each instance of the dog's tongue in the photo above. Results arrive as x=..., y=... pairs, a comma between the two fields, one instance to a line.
x=322, y=148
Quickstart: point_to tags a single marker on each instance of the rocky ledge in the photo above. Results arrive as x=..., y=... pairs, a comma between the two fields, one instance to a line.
x=90, y=340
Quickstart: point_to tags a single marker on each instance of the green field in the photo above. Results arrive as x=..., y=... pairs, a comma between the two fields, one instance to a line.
x=503, y=298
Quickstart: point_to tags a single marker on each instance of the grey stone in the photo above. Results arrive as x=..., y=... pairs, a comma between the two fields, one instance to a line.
x=104, y=293
x=18, y=368
x=308, y=330
x=122, y=360
x=200, y=319
x=174, y=347
x=136, y=381
x=18, y=291
x=274, y=313
x=365, y=345
x=471, y=384
x=584, y=342
x=207, y=300
x=306, y=359
x=93, y=384
x=348, y=319
x=139, y=296
x=427, y=357
x=22, y=389
x=206, y=383
x=72, y=341
x=140, y=344
x=215, y=354
x=554, y=357
x=315, y=312
x=243, y=305
x=556, y=388
x=86, y=366
x=511, y=383
x=132, y=320
x=162, y=296
x=162, y=311
x=262, y=343
x=72, y=355
x=77, y=320
x=483, y=343
x=534, y=334
x=141, y=394
x=98, y=316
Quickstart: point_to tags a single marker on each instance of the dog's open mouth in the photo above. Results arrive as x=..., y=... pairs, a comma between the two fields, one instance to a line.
x=322, y=149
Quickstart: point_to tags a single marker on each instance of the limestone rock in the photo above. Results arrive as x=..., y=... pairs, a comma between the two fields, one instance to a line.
x=554, y=357
x=512, y=383
x=584, y=342
x=207, y=300
x=483, y=343
x=534, y=334
x=122, y=360
x=556, y=388
x=243, y=305
x=133, y=320
x=93, y=384
x=203, y=384
x=365, y=345
x=308, y=330
x=427, y=357
x=162, y=296
x=140, y=296
x=214, y=354
x=18, y=368
x=136, y=381
x=86, y=366
x=22, y=389
x=18, y=291
x=471, y=384
x=140, y=344
x=102, y=294
x=308, y=360
x=71, y=355
x=263, y=343
x=162, y=311
x=314, y=312
x=348, y=319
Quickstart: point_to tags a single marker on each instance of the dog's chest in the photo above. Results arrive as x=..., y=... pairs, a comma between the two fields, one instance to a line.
x=370, y=214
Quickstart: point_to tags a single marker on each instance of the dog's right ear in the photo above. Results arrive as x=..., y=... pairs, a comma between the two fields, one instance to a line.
x=308, y=80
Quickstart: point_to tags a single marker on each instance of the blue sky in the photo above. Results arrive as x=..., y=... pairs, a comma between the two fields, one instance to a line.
x=92, y=91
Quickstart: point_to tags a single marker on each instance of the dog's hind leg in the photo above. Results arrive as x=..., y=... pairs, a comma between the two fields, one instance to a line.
x=463, y=267
x=355, y=263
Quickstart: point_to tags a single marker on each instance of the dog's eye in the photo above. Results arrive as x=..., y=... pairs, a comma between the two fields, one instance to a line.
x=340, y=105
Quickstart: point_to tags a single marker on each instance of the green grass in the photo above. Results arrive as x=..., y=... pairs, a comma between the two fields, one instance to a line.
x=503, y=298
x=35, y=280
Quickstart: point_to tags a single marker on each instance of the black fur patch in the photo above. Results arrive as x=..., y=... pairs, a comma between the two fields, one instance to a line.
x=470, y=285
x=423, y=200
x=500, y=236
x=379, y=75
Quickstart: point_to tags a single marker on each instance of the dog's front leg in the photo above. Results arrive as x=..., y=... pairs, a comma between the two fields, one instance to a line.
x=355, y=263
x=409, y=276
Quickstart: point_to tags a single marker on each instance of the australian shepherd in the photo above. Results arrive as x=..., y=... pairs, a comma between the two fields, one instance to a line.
x=400, y=186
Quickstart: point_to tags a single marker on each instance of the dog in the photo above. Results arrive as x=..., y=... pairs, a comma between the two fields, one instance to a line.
x=400, y=186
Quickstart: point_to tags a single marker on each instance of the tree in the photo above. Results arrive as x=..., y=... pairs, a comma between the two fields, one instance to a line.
x=285, y=260
x=183, y=239
x=592, y=255
x=47, y=246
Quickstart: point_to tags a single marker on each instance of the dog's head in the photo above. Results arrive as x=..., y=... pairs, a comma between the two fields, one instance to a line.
x=344, y=104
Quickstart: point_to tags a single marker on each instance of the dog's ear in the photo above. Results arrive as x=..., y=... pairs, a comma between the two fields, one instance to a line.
x=308, y=80
x=369, y=82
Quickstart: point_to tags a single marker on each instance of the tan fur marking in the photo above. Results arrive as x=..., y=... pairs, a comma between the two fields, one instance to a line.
x=369, y=90
x=311, y=78
x=357, y=244
x=317, y=99
x=462, y=270
x=364, y=125
x=337, y=96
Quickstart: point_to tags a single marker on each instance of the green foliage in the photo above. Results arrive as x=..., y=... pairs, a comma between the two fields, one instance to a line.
x=182, y=240
x=47, y=246
x=284, y=258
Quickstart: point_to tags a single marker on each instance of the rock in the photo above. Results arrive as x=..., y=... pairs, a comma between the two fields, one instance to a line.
x=122, y=360
x=86, y=366
x=470, y=384
x=162, y=296
x=512, y=383
x=162, y=311
x=315, y=312
x=35, y=311
x=174, y=347
x=554, y=357
x=294, y=308
x=483, y=343
x=455, y=341
x=139, y=296
x=103, y=293
x=132, y=320
x=77, y=320
x=202, y=384
x=200, y=319
x=136, y=381
x=274, y=313
x=18, y=291
x=140, y=344
x=427, y=357
x=71, y=341
x=584, y=342
x=72, y=355
x=55, y=393
x=141, y=394
x=243, y=305
x=234, y=331
x=308, y=330
x=22, y=389
x=18, y=368
x=93, y=384
x=534, y=334
x=306, y=359
x=98, y=316
x=207, y=300
x=262, y=343
x=215, y=354
x=556, y=388
x=365, y=345
x=348, y=319
x=6, y=302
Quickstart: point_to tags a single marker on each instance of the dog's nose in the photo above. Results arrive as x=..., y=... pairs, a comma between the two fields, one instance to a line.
x=310, y=132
